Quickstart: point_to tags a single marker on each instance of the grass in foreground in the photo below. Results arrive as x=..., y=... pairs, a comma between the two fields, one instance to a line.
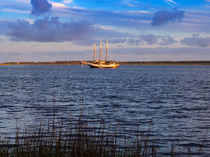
x=83, y=139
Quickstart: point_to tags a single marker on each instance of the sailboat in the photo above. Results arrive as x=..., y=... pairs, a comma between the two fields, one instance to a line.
x=102, y=63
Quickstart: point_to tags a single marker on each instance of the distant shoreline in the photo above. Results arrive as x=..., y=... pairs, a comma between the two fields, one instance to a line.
x=121, y=63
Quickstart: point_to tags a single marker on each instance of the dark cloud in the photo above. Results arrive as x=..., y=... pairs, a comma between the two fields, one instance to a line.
x=164, y=17
x=114, y=37
x=81, y=33
x=144, y=38
x=40, y=6
x=167, y=40
x=149, y=39
x=134, y=41
x=196, y=41
x=48, y=30
x=3, y=26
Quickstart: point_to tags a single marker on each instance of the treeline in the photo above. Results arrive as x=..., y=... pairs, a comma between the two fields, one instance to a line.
x=166, y=63
x=44, y=63
x=121, y=63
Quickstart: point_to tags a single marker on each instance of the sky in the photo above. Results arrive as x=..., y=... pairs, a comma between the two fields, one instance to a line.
x=137, y=30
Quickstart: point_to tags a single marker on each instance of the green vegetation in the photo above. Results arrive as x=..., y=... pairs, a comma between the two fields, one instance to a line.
x=121, y=63
x=44, y=63
x=166, y=63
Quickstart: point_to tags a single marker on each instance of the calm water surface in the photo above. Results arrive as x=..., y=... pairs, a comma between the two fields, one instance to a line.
x=175, y=98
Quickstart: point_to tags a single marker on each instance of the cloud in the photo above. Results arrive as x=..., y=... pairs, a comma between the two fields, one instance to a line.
x=67, y=1
x=164, y=17
x=118, y=41
x=196, y=41
x=170, y=2
x=130, y=3
x=114, y=37
x=163, y=50
x=3, y=27
x=48, y=30
x=40, y=6
x=58, y=5
x=148, y=39
x=161, y=54
x=167, y=40
x=127, y=39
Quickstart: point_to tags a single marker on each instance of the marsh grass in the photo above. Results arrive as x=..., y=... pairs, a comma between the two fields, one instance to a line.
x=83, y=138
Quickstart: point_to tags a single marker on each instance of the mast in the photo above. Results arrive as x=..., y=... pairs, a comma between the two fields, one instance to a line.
x=107, y=48
x=100, y=51
x=94, y=52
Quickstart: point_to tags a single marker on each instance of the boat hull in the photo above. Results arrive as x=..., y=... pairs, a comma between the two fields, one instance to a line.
x=103, y=66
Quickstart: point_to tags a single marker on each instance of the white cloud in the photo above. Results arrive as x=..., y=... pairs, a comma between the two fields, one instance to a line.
x=62, y=4
x=58, y=5
x=67, y=1
x=130, y=3
x=170, y=2
x=29, y=20
x=140, y=12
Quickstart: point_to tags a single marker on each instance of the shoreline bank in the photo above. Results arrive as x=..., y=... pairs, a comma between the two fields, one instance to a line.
x=121, y=63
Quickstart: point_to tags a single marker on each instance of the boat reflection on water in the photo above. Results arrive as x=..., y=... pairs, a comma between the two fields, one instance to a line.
x=102, y=63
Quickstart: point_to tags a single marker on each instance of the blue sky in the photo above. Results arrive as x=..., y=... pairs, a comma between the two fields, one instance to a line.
x=139, y=30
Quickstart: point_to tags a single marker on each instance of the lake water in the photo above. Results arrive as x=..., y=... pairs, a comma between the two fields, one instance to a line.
x=175, y=98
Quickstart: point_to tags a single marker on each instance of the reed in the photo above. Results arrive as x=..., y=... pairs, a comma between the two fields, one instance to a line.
x=83, y=138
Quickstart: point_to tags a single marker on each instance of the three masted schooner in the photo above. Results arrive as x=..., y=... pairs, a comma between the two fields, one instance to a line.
x=102, y=63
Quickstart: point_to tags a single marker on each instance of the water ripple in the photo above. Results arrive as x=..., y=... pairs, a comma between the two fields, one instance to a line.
x=175, y=98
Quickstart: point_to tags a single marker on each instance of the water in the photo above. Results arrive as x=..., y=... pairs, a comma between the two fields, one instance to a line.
x=175, y=98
